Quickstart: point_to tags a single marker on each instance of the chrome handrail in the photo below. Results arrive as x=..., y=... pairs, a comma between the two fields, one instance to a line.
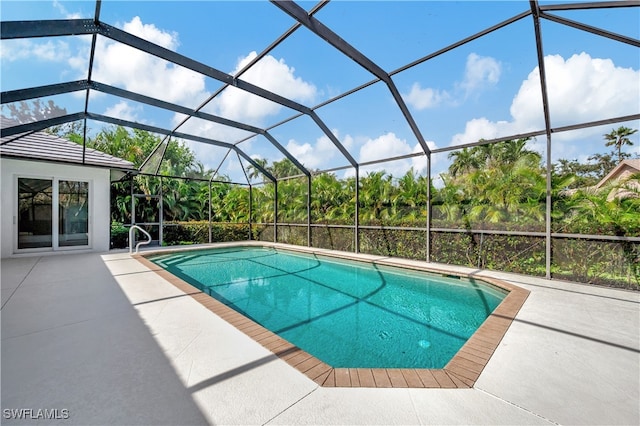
x=133, y=227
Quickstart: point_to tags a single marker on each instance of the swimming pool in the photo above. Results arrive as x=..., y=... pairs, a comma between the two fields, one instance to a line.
x=346, y=313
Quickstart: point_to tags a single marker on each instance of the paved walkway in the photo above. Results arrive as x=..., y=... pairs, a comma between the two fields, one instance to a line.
x=100, y=339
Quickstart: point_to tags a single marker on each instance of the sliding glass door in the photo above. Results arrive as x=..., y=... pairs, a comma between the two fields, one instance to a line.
x=73, y=217
x=35, y=202
x=52, y=213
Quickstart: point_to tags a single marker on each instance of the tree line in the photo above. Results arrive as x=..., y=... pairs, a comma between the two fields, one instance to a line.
x=493, y=186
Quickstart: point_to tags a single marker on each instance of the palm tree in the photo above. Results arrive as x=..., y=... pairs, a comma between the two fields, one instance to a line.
x=496, y=183
x=515, y=150
x=377, y=191
x=449, y=201
x=263, y=199
x=284, y=168
x=253, y=171
x=410, y=199
x=464, y=161
x=328, y=194
x=292, y=200
x=618, y=138
x=236, y=204
x=467, y=160
x=219, y=192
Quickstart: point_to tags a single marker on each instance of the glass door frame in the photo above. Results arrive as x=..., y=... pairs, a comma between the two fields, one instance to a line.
x=55, y=214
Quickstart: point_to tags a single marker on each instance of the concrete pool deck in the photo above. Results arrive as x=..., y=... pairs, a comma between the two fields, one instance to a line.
x=109, y=341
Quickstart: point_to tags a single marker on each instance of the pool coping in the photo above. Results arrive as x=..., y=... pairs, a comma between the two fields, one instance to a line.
x=462, y=371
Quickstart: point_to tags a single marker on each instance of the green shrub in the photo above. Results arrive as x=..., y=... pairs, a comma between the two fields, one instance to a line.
x=119, y=235
x=184, y=233
x=197, y=232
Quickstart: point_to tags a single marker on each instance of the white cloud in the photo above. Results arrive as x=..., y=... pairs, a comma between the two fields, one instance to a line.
x=53, y=51
x=389, y=145
x=481, y=128
x=480, y=71
x=269, y=73
x=421, y=98
x=126, y=67
x=320, y=155
x=151, y=33
x=580, y=89
x=24, y=49
x=15, y=50
x=63, y=11
x=273, y=75
x=52, y=54
x=79, y=62
x=123, y=66
x=313, y=156
x=276, y=76
x=235, y=104
x=124, y=111
x=238, y=105
x=348, y=142
x=583, y=88
x=384, y=146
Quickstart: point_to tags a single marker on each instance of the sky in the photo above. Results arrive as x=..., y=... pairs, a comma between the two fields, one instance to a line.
x=488, y=88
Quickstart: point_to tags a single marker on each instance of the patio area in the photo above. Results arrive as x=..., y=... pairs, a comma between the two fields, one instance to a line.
x=109, y=341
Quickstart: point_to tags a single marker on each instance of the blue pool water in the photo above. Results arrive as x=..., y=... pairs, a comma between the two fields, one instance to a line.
x=346, y=313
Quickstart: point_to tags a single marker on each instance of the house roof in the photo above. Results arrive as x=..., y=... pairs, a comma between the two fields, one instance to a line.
x=629, y=166
x=46, y=147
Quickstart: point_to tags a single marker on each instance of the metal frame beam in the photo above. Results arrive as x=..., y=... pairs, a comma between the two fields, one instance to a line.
x=47, y=28
x=462, y=42
x=324, y=32
x=53, y=28
x=87, y=95
x=186, y=62
x=590, y=29
x=111, y=90
x=547, y=123
x=163, y=53
x=286, y=153
x=198, y=114
x=41, y=91
x=74, y=86
x=41, y=125
x=321, y=30
x=255, y=60
x=589, y=5
x=159, y=130
x=55, y=89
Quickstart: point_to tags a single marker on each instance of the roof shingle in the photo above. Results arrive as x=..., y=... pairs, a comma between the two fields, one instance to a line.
x=46, y=147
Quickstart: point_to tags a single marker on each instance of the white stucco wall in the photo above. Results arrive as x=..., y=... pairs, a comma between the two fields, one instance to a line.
x=99, y=193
